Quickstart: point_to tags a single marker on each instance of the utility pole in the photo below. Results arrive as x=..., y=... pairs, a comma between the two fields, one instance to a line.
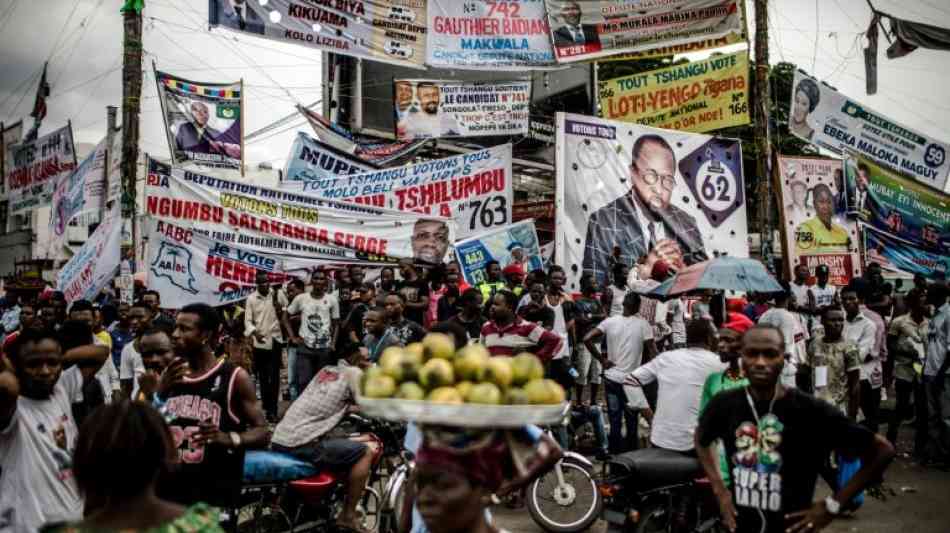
x=131, y=105
x=762, y=108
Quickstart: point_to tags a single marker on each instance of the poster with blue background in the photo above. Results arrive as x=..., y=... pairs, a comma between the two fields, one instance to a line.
x=517, y=243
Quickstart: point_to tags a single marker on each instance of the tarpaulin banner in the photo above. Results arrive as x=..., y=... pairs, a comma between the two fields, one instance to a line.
x=589, y=29
x=899, y=256
x=281, y=222
x=202, y=120
x=515, y=244
x=114, y=175
x=897, y=205
x=391, y=31
x=829, y=119
x=311, y=160
x=817, y=229
x=83, y=190
x=186, y=267
x=95, y=263
x=484, y=34
x=371, y=151
x=35, y=167
x=10, y=136
x=700, y=96
x=437, y=109
x=654, y=194
x=474, y=189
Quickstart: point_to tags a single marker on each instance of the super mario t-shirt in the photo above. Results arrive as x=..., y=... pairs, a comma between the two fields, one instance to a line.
x=774, y=456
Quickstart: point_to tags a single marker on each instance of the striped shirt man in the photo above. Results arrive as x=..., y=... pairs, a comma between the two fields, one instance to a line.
x=520, y=336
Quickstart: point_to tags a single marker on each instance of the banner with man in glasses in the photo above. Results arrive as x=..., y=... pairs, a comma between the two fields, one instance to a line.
x=654, y=194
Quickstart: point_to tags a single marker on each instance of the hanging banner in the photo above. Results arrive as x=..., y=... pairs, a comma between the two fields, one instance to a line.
x=898, y=256
x=897, y=205
x=827, y=118
x=36, y=167
x=311, y=160
x=275, y=221
x=391, y=31
x=474, y=189
x=83, y=190
x=516, y=244
x=700, y=96
x=186, y=267
x=817, y=230
x=11, y=135
x=376, y=153
x=438, y=109
x=484, y=34
x=114, y=174
x=653, y=194
x=95, y=263
x=202, y=120
x=698, y=46
x=589, y=29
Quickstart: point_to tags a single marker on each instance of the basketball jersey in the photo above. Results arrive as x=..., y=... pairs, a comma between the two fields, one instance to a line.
x=616, y=302
x=209, y=474
x=824, y=296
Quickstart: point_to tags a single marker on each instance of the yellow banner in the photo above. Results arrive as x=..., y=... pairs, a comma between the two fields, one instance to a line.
x=698, y=97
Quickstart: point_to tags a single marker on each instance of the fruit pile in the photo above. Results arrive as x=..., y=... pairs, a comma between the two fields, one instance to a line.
x=431, y=370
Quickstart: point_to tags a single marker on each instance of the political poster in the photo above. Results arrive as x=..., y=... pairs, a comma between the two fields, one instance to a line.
x=474, y=189
x=816, y=228
x=311, y=160
x=283, y=222
x=900, y=257
x=515, y=244
x=202, y=121
x=484, y=34
x=95, y=263
x=82, y=191
x=826, y=118
x=427, y=109
x=390, y=31
x=114, y=174
x=699, y=96
x=35, y=167
x=897, y=205
x=373, y=152
x=677, y=49
x=10, y=136
x=654, y=194
x=186, y=267
x=589, y=29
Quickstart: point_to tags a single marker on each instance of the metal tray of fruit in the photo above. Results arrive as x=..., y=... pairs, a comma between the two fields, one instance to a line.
x=469, y=415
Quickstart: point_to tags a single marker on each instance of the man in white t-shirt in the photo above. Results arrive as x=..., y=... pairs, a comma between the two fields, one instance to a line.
x=130, y=361
x=681, y=375
x=38, y=432
x=793, y=331
x=319, y=318
x=629, y=342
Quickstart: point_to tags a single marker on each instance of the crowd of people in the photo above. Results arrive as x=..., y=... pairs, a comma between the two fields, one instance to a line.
x=132, y=417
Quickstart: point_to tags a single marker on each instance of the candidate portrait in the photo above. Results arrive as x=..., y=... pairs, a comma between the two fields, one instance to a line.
x=820, y=234
x=642, y=222
x=430, y=240
x=573, y=33
x=195, y=135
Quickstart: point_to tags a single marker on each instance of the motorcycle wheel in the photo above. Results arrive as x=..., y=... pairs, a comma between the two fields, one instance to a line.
x=655, y=518
x=564, y=509
x=263, y=517
x=368, y=509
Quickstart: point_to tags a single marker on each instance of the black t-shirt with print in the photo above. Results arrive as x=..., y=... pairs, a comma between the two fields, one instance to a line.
x=774, y=463
x=413, y=291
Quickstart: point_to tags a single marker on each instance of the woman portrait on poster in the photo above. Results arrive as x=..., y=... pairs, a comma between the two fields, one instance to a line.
x=804, y=101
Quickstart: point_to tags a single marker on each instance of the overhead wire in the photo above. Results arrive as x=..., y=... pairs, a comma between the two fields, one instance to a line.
x=85, y=24
x=7, y=15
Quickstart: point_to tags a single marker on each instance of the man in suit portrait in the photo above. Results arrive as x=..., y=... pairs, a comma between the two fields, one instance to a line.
x=573, y=33
x=642, y=222
x=196, y=136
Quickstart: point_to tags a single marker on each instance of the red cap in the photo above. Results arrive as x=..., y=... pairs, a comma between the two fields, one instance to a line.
x=513, y=268
x=738, y=322
x=661, y=271
x=736, y=305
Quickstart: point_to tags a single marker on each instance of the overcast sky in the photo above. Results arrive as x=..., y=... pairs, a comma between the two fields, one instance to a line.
x=83, y=38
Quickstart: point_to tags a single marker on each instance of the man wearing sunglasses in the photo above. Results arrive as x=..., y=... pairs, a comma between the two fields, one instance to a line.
x=643, y=222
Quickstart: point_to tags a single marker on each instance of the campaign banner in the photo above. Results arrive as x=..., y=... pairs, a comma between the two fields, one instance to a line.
x=114, y=174
x=390, y=31
x=202, y=120
x=428, y=109
x=897, y=205
x=35, y=167
x=474, y=189
x=186, y=267
x=898, y=256
x=829, y=119
x=283, y=222
x=95, y=264
x=699, y=96
x=652, y=193
x=814, y=210
x=83, y=190
x=373, y=152
x=590, y=29
x=484, y=34
x=311, y=160
x=516, y=244
x=10, y=136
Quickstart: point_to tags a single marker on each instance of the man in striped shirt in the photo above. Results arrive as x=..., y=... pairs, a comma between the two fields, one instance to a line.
x=508, y=334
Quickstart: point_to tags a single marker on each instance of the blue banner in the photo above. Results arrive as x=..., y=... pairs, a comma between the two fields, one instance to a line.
x=897, y=255
x=311, y=160
x=514, y=244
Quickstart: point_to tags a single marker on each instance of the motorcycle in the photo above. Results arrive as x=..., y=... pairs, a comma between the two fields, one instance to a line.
x=282, y=493
x=653, y=490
